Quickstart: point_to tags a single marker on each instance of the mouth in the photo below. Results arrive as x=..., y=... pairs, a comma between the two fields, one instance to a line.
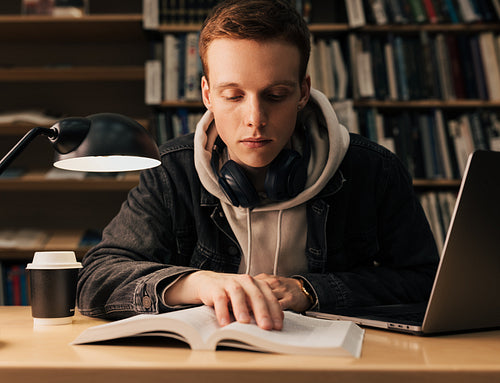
x=255, y=142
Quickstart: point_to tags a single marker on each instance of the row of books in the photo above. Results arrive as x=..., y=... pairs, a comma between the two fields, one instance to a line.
x=160, y=12
x=438, y=207
x=14, y=284
x=414, y=67
x=433, y=144
x=170, y=123
x=175, y=71
x=382, y=12
x=384, y=67
x=354, y=12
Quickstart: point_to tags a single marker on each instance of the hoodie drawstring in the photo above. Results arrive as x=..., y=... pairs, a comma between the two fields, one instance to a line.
x=278, y=244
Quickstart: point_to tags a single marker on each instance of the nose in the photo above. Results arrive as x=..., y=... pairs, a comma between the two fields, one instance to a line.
x=256, y=116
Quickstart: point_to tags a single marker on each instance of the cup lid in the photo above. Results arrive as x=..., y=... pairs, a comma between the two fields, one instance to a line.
x=54, y=260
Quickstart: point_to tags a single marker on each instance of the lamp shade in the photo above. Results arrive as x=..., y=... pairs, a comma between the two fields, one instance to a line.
x=104, y=142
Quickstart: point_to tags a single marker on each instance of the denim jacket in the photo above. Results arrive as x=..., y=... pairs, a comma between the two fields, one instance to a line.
x=368, y=241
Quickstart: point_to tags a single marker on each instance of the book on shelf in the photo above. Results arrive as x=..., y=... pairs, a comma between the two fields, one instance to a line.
x=491, y=60
x=150, y=14
x=28, y=116
x=153, y=82
x=66, y=8
x=355, y=13
x=198, y=328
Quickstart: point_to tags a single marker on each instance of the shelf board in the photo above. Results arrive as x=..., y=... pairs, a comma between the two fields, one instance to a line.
x=344, y=27
x=181, y=104
x=39, y=182
x=111, y=27
x=375, y=104
x=435, y=184
x=427, y=104
x=26, y=255
x=93, y=73
x=19, y=128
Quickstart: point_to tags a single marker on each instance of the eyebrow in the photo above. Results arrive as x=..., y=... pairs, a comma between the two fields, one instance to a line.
x=224, y=85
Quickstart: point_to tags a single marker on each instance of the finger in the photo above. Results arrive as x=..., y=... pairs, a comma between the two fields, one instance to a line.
x=273, y=304
x=220, y=303
x=239, y=300
x=254, y=299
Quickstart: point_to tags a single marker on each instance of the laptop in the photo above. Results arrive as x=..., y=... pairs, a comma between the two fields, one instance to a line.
x=466, y=291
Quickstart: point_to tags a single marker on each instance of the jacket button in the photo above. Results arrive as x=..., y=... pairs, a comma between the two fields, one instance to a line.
x=146, y=302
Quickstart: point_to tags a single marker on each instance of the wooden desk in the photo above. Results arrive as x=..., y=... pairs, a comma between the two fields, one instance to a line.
x=41, y=355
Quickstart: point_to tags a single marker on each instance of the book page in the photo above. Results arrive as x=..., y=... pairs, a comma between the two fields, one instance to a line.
x=300, y=335
x=192, y=326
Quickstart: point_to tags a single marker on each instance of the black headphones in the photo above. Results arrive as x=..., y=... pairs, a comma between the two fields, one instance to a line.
x=285, y=178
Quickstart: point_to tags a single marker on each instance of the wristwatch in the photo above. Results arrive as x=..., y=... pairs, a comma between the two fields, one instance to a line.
x=307, y=291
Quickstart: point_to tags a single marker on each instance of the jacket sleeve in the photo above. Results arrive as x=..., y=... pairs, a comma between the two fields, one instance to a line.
x=394, y=260
x=125, y=273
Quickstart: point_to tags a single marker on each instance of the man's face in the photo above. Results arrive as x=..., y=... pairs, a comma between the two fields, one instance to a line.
x=254, y=92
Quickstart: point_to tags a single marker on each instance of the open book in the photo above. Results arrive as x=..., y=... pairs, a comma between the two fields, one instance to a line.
x=198, y=328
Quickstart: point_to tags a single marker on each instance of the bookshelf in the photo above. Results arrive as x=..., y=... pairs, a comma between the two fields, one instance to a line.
x=65, y=66
x=414, y=21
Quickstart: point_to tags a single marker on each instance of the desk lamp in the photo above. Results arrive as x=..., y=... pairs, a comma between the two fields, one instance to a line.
x=104, y=142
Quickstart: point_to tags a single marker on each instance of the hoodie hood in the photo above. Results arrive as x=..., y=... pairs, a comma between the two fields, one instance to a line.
x=278, y=227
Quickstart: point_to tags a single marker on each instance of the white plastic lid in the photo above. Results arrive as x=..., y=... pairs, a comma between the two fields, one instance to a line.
x=54, y=260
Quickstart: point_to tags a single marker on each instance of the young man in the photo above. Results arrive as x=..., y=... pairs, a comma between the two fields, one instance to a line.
x=272, y=205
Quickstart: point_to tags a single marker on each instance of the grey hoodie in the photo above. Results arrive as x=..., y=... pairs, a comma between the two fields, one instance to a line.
x=273, y=235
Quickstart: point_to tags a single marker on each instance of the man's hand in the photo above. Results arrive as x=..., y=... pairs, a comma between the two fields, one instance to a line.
x=242, y=293
x=288, y=291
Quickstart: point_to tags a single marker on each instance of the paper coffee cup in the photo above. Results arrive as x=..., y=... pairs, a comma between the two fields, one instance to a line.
x=53, y=278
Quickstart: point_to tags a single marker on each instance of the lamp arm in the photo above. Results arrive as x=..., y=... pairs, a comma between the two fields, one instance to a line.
x=23, y=142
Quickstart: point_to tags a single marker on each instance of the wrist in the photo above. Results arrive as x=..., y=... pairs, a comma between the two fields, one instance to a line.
x=307, y=292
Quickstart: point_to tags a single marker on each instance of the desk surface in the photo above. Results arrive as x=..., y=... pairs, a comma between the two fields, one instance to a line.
x=44, y=355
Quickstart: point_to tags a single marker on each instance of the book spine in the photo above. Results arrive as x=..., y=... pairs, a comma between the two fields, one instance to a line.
x=479, y=75
x=452, y=12
x=355, y=13
x=456, y=72
x=418, y=11
x=491, y=65
x=150, y=14
x=153, y=85
x=496, y=8
x=391, y=70
x=431, y=11
x=467, y=11
x=340, y=69
x=171, y=67
x=396, y=12
x=378, y=11
x=192, y=74
x=403, y=90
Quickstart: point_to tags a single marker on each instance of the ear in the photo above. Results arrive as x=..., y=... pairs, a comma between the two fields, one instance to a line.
x=205, y=93
x=305, y=91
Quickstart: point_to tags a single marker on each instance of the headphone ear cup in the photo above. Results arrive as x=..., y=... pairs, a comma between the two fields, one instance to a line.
x=237, y=186
x=286, y=176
